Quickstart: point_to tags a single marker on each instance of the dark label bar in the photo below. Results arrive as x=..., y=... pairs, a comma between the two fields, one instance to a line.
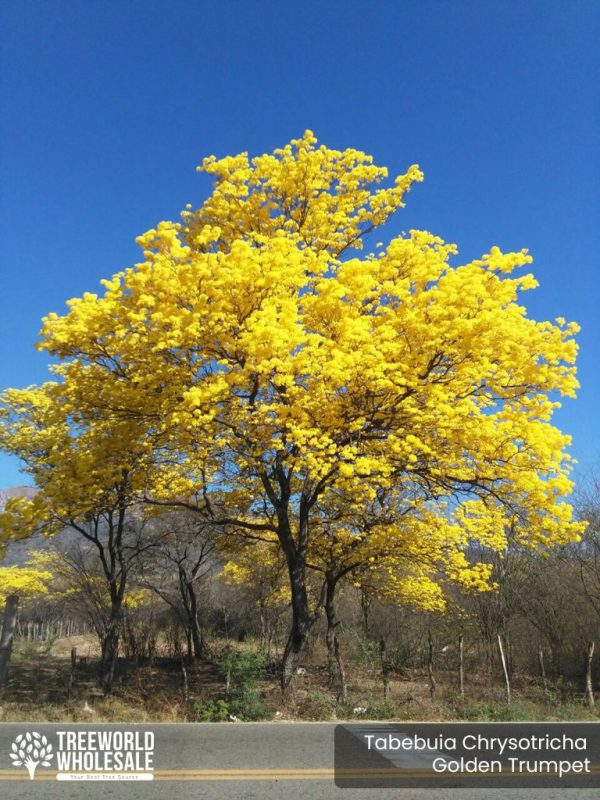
x=468, y=755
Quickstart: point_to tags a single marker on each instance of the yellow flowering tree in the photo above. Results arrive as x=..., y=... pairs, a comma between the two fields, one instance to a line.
x=392, y=551
x=273, y=363
x=89, y=473
x=22, y=581
x=16, y=582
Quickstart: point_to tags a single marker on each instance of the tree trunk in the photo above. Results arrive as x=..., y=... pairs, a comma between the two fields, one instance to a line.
x=330, y=634
x=263, y=628
x=365, y=604
x=71, y=678
x=342, y=690
x=6, y=638
x=197, y=637
x=197, y=640
x=335, y=666
x=270, y=632
x=302, y=622
x=542, y=670
x=110, y=649
x=385, y=670
x=461, y=666
x=186, y=688
x=432, y=682
x=295, y=549
x=589, y=688
x=509, y=653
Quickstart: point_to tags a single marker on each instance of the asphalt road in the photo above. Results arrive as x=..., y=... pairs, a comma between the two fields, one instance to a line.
x=222, y=761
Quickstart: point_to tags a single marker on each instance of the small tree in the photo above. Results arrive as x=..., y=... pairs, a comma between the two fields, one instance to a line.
x=97, y=577
x=177, y=567
x=89, y=475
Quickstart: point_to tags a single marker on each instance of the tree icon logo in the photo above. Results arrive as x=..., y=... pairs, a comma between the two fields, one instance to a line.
x=29, y=750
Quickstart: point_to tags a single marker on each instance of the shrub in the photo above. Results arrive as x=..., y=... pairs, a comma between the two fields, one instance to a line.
x=213, y=711
x=367, y=653
x=249, y=707
x=317, y=706
x=383, y=710
x=241, y=670
x=373, y=709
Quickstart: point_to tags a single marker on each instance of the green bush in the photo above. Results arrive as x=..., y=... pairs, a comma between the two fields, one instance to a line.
x=249, y=707
x=241, y=669
x=367, y=653
x=213, y=711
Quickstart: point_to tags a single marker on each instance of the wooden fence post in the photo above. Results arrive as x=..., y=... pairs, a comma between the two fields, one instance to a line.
x=505, y=669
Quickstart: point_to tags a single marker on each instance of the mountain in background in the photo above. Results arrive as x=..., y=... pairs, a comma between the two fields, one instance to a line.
x=16, y=491
x=17, y=553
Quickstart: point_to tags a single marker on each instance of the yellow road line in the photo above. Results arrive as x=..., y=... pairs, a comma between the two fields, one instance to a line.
x=287, y=774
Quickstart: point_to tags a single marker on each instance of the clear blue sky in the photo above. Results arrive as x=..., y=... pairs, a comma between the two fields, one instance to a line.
x=107, y=107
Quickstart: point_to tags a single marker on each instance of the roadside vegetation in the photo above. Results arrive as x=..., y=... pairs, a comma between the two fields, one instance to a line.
x=398, y=662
